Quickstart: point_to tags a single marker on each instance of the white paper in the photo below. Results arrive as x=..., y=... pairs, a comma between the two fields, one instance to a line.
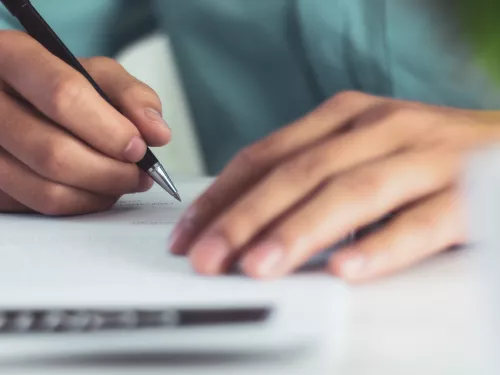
x=121, y=257
x=149, y=209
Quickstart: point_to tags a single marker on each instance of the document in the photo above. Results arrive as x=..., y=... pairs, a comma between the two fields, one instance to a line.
x=119, y=261
x=150, y=209
x=119, y=257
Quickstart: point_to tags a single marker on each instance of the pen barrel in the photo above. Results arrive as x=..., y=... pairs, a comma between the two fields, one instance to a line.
x=148, y=161
x=14, y=6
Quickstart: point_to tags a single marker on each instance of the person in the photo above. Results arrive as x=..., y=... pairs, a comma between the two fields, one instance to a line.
x=331, y=115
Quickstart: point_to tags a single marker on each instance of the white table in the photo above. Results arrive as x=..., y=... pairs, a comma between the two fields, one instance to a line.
x=424, y=321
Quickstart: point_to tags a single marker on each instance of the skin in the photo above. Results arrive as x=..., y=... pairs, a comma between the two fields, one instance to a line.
x=347, y=164
x=350, y=162
x=63, y=149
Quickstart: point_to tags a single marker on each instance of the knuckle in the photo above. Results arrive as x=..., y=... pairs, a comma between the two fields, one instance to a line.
x=51, y=160
x=363, y=184
x=54, y=201
x=409, y=122
x=260, y=155
x=65, y=94
x=99, y=65
x=291, y=170
x=312, y=166
x=402, y=115
x=251, y=157
x=139, y=90
x=103, y=62
x=304, y=168
x=59, y=200
x=398, y=113
x=347, y=98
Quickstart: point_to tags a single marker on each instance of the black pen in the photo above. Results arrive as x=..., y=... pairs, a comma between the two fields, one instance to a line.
x=36, y=26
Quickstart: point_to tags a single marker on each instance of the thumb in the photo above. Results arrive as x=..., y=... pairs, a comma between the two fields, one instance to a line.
x=134, y=99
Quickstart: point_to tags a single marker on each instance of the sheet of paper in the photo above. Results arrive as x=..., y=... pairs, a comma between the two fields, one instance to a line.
x=120, y=257
x=151, y=209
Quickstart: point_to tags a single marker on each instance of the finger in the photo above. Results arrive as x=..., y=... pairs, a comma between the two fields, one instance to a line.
x=350, y=202
x=45, y=196
x=66, y=97
x=134, y=99
x=58, y=156
x=291, y=182
x=426, y=228
x=257, y=160
x=9, y=205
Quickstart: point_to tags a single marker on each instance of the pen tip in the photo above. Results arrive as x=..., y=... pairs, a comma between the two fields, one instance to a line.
x=178, y=197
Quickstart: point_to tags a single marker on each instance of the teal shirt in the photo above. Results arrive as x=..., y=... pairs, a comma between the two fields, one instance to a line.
x=252, y=66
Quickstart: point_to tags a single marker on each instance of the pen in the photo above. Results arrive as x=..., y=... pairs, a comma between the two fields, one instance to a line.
x=36, y=26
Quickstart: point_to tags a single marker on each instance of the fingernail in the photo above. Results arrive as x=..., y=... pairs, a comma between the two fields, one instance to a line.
x=209, y=254
x=353, y=265
x=156, y=117
x=181, y=231
x=266, y=260
x=135, y=150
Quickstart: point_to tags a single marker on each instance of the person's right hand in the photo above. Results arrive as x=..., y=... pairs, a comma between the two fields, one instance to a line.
x=63, y=149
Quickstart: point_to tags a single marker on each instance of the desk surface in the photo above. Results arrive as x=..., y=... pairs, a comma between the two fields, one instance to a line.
x=422, y=321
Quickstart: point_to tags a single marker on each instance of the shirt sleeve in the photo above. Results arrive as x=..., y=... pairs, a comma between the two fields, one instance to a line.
x=93, y=27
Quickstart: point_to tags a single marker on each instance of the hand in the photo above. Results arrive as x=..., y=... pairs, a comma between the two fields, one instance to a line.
x=63, y=149
x=348, y=164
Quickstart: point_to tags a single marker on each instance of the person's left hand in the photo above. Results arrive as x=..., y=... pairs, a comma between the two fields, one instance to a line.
x=349, y=163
